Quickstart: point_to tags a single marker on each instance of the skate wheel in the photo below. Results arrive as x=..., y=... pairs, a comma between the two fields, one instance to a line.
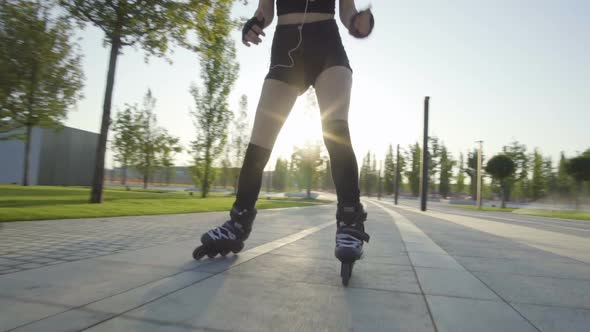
x=345, y=273
x=224, y=253
x=211, y=254
x=199, y=252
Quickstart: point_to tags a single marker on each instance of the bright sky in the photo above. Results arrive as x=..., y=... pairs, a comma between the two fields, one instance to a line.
x=495, y=70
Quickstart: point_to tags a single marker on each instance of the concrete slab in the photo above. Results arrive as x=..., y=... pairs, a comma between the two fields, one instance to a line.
x=453, y=283
x=539, y=290
x=300, y=269
x=453, y=314
x=556, y=319
x=96, y=312
x=232, y=303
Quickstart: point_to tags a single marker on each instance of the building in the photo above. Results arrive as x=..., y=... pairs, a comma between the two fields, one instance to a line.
x=63, y=156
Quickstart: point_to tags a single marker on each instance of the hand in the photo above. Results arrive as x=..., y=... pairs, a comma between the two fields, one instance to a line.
x=252, y=35
x=362, y=24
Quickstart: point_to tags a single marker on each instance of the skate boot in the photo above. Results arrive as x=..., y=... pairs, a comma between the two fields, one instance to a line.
x=228, y=237
x=350, y=235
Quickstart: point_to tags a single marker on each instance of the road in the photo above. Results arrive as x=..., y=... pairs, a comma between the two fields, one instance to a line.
x=442, y=270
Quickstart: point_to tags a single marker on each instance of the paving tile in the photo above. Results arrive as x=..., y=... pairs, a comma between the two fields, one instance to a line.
x=284, y=306
x=539, y=290
x=453, y=314
x=453, y=283
x=555, y=319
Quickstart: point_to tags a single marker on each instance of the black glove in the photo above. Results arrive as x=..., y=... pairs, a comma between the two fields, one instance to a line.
x=354, y=32
x=249, y=24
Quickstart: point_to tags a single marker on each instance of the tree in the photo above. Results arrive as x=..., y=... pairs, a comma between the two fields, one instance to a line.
x=563, y=180
x=460, y=175
x=433, y=156
x=471, y=170
x=125, y=143
x=240, y=136
x=219, y=71
x=579, y=169
x=501, y=167
x=413, y=173
x=307, y=160
x=149, y=136
x=280, y=175
x=40, y=69
x=168, y=147
x=389, y=171
x=539, y=180
x=151, y=25
x=367, y=175
x=520, y=181
x=446, y=171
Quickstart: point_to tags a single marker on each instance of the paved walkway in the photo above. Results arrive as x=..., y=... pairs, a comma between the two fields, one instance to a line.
x=422, y=272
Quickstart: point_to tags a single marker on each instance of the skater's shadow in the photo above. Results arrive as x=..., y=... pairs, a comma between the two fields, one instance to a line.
x=187, y=300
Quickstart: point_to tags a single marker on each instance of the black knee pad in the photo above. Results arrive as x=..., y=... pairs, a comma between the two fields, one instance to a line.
x=251, y=175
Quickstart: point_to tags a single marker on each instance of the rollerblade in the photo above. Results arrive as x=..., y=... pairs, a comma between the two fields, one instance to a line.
x=350, y=234
x=228, y=237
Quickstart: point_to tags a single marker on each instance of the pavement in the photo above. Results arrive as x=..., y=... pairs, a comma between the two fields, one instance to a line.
x=440, y=270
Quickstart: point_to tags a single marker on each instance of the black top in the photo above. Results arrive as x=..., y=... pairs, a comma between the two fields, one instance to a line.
x=298, y=6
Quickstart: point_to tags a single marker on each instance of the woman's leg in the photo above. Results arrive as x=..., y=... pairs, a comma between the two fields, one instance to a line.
x=275, y=104
x=333, y=88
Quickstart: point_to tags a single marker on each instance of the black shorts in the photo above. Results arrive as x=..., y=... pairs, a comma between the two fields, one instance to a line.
x=321, y=48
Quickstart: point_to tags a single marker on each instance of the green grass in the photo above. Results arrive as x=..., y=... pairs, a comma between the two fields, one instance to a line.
x=578, y=215
x=564, y=214
x=483, y=208
x=19, y=203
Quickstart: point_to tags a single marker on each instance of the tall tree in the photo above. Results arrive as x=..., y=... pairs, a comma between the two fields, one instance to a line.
x=307, y=161
x=563, y=181
x=169, y=146
x=471, y=170
x=413, y=173
x=149, y=136
x=280, y=175
x=539, y=180
x=550, y=176
x=240, y=136
x=434, y=155
x=501, y=167
x=125, y=142
x=446, y=171
x=365, y=175
x=579, y=169
x=389, y=171
x=219, y=72
x=460, y=175
x=519, y=184
x=40, y=69
x=151, y=25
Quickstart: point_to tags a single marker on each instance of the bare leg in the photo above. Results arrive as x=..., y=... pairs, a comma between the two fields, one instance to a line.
x=333, y=88
x=276, y=101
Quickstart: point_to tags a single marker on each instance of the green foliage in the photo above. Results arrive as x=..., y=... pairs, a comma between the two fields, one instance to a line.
x=369, y=176
x=446, y=171
x=579, y=168
x=413, y=173
x=460, y=187
x=280, y=175
x=539, y=179
x=125, y=143
x=389, y=171
x=519, y=184
x=40, y=66
x=501, y=167
x=307, y=161
x=219, y=71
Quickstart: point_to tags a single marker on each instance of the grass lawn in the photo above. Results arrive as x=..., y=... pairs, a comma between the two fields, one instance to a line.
x=578, y=215
x=483, y=208
x=565, y=214
x=47, y=202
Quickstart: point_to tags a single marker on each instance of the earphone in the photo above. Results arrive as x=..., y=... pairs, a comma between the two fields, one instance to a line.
x=300, y=27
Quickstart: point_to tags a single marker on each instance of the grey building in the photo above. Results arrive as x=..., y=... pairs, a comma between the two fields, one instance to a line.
x=62, y=156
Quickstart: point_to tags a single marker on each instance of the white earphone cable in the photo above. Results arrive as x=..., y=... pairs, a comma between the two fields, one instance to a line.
x=298, y=44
